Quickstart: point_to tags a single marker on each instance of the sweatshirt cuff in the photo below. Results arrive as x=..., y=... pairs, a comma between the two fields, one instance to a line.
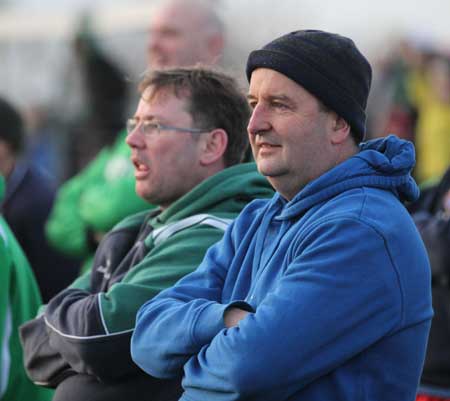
x=208, y=323
x=240, y=305
x=210, y=320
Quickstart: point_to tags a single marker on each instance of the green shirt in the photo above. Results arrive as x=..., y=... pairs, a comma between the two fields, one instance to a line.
x=19, y=302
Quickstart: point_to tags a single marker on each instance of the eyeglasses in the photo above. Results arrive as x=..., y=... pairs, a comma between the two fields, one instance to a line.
x=150, y=128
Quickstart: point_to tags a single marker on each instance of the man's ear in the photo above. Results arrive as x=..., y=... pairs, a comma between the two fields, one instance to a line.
x=213, y=146
x=340, y=130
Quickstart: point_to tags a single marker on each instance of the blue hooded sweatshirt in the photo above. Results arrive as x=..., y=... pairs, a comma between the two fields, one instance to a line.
x=337, y=281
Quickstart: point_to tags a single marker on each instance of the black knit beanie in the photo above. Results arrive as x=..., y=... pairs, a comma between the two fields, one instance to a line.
x=327, y=65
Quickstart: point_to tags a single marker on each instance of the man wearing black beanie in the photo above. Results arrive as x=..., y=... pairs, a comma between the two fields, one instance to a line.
x=329, y=66
x=322, y=292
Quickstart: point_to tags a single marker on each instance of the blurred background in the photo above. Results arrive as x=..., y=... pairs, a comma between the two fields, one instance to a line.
x=61, y=59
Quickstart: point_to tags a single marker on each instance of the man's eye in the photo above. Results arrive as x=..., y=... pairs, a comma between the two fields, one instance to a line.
x=279, y=105
x=150, y=127
x=252, y=104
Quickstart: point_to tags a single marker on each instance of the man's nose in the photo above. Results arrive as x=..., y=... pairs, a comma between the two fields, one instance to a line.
x=134, y=138
x=259, y=121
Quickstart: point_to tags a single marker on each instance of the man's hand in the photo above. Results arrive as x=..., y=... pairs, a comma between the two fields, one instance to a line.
x=233, y=316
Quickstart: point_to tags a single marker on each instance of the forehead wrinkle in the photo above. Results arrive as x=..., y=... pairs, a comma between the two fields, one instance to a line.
x=272, y=97
x=158, y=99
x=282, y=97
x=145, y=117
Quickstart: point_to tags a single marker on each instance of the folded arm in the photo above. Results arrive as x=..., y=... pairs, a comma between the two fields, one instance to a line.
x=166, y=335
x=92, y=331
x=316, y=317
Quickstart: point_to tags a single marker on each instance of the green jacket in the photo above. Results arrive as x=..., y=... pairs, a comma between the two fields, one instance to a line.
x=19, y=301
x=90, y=324
x=94, y=201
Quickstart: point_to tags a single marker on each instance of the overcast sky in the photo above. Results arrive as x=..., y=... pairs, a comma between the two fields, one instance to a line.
x=373, y=24
x=367, y=20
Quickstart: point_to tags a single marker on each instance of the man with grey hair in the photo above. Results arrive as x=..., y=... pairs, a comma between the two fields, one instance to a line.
x=185, y=32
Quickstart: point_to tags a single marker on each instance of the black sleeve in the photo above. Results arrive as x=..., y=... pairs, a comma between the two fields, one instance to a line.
x=74, y=321
x=44, y=365
x=76, y=331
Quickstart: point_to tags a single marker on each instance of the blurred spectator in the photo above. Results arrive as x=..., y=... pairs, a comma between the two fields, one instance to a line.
x=432, y=217
x=105, y=93
x=29, y=197
x=430, y=93
x=19, y=302
x=391, y=107
x=182, y=32
x=46, y=142
x=415, y=85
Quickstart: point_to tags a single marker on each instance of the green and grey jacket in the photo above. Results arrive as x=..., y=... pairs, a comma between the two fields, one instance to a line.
x=90, y=323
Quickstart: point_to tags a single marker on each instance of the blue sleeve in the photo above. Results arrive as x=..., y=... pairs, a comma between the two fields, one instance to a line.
x=333, y=301
x=177, y=310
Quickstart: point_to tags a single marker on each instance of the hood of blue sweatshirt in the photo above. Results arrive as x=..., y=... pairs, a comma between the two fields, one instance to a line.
x=382, y=163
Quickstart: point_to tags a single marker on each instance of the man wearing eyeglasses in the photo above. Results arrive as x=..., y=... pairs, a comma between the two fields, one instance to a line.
x=187, y=139
x=182, y=33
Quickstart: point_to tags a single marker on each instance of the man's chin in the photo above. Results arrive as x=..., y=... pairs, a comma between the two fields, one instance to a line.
x=143, y=193
x=269, y=170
